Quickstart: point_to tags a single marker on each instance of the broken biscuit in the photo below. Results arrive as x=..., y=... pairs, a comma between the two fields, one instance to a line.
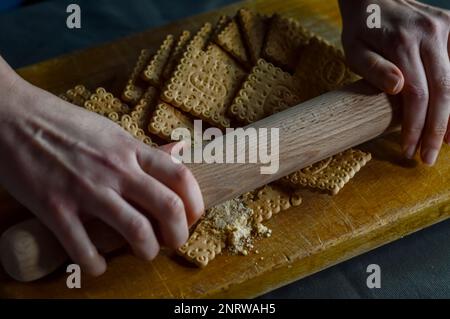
x=254, y=29
x=331, y=174
x=266, y=91
x=270, y=200
x=230, y=40
x=285, y=40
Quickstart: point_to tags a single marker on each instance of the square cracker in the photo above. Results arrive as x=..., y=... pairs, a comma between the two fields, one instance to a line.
x=284, y=43
x=331, y=174
x=153, y=72
x=323, y=68
x=231, y=41
x=135, y=87
x=254, y=28
x=205, y=84
x=266, y=91
x=166, y=118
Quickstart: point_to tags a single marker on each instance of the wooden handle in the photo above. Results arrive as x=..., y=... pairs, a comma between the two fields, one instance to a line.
x=308, y=133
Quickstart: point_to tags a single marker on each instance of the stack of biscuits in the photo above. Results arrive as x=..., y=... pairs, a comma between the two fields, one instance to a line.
x=240, y=70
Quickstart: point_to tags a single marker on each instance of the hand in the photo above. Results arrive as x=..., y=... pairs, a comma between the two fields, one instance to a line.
x=68, y=165
x=409, y=55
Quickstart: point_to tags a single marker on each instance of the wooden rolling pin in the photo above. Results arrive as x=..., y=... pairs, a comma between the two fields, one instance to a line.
x=308, y=133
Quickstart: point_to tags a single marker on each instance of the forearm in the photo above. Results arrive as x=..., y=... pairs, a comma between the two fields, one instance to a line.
x=8, y=83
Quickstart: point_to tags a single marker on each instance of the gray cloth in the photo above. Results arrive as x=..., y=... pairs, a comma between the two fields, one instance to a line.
x=416, y=266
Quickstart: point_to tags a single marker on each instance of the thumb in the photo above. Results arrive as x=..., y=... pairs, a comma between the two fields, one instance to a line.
x=375, y=69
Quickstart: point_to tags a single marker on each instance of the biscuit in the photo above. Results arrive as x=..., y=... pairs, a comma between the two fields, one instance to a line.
x=165, y=119
x=103, y=103
x=177, y=54
x=201, y=39
x=270, y=200
x=135, y=87
x=266, y=91
x=205, y=84
x=230, y=40
x=284, y=43
x=323, y=68
x=144, y=108
x=236, y=223
x=78, y=95
x=229, y=225
x=129, y=125
x=202, y=246
x=329, y=175
x=254, y=29
x=154, y=70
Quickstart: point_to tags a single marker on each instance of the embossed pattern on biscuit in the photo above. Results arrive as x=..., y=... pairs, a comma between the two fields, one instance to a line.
x=203, y=246
x=266, y=91
x=230, y=40
x=78, y=95
x=254, y=29
x=134, y=88
x=154, y=70
x=285, y=40
x=331, y=174
x=322, y=66
x=165, y=119
x=103, y=103
x=205, y=84
x=144, y=108
x=177, y=54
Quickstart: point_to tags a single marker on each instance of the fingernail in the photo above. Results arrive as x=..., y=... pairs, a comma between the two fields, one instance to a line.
x=409, y=151
x=430, y=156
x=393, y=83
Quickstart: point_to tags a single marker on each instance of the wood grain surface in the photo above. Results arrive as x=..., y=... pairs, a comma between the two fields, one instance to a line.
x=388, y=199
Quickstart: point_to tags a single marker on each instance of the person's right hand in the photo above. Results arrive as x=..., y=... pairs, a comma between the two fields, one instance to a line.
x=67, y=165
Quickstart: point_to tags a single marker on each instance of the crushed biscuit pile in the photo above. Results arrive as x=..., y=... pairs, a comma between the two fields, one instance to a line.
x=234, y=73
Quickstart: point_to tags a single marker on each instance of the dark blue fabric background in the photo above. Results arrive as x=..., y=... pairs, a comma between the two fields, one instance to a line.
x=416, y=266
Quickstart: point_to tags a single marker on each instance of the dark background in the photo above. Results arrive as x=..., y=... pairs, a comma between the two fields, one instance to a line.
x=417, y=266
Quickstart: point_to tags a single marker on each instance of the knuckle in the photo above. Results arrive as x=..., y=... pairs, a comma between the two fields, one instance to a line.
x=438, y=130
x=428, y=24
x=182, y=174
x=413, y=131
x=174, y=207
x=402, y=38
x=416, y=92
x=139, y=228
x=442, y=86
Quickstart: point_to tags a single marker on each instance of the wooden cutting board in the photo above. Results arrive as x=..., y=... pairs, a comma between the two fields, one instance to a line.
x=388, y=199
